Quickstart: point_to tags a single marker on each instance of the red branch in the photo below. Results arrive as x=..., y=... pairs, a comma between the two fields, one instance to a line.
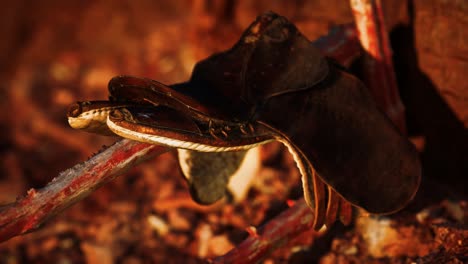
x=71, y=186
x=379, y=73
x=278, y=231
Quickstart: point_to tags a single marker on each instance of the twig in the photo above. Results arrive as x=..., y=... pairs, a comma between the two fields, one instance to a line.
x=72, y=185
x=278, y=231
x=379, y=73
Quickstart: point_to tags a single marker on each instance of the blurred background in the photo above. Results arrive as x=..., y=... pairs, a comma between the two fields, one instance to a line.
x=54, y=53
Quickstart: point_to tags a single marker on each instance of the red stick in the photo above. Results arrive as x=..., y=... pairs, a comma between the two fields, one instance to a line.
x=378, y=66
x=72, y=185
x=278, y=231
